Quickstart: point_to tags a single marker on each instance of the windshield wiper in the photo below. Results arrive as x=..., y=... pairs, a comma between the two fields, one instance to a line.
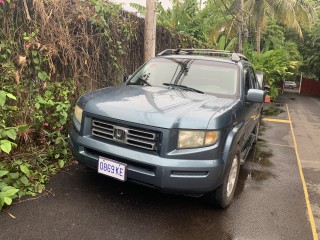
x=183, y=87
x=142, y=81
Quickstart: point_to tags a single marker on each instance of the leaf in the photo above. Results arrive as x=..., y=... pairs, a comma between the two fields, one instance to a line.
x=61, y=163
x=14, y=175
x=2, y=185
x=65, y=152
x=141, y=9
x=42, y=75
x=34, y=53
x=3, y=173
x=11, y=133
x=6, y=188
x=24, y=180
x=5, y=146
x=37, y=105
x=7, y=200
x=41, y=100
x=3, y=97
x=36, y=60
x=1, y=203
x=9, y=95
x=23, y=128
x=97, y=8
x=10, y=192
x=25, y=170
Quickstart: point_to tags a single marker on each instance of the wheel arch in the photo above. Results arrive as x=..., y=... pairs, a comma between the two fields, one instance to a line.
x=232, y=142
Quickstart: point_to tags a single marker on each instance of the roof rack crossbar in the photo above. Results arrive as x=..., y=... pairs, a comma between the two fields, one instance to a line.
x=236, y=57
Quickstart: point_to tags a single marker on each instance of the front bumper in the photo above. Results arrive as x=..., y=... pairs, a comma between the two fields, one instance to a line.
x=173, y=175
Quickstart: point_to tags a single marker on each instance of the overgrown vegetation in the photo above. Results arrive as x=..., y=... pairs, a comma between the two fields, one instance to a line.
x=50, y=52
x=310, y=49
x=277, y=64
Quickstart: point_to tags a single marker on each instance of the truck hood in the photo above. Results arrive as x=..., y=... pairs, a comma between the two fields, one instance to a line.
x=154, y=106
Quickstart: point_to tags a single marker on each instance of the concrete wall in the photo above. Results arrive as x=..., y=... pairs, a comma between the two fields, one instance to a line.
x=310, y=86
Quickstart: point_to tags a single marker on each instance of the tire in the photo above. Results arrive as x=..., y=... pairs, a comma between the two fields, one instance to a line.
x=223, y=195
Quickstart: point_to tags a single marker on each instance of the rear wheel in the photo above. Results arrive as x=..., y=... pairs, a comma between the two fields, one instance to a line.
x=223, y=195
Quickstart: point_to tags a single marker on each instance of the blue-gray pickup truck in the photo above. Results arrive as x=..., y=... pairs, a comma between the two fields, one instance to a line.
x=182, y=123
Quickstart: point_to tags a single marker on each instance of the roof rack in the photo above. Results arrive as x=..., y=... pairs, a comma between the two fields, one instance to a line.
x=236, y=57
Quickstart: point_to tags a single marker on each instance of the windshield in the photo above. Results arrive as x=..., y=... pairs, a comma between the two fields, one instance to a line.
x=201, y=75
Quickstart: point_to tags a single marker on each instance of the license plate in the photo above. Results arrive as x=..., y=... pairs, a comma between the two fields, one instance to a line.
x=112, y=168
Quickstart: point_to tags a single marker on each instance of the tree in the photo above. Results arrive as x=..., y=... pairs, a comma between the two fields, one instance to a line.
x=292, y=13
x=205, y=24
x=273, y=37
x=310, y=49
x=150, y=30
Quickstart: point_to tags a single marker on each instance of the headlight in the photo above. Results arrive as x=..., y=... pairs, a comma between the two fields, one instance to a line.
x=78, y=113
x=196, y=138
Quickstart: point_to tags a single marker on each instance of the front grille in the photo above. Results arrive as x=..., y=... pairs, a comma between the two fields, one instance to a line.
x=145, y=139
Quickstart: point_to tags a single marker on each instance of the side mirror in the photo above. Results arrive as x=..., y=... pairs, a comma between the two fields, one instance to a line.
x=125, y=78
x=256, y=96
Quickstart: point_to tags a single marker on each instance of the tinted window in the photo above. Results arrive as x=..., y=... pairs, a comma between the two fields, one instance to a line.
x=254, y=81
x=251, y=81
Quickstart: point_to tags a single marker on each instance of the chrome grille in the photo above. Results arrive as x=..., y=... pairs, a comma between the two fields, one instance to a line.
x=134, y=137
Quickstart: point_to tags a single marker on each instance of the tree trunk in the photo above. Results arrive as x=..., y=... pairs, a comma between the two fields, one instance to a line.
x=258, y=38
x=150, y=30
x=240, y=40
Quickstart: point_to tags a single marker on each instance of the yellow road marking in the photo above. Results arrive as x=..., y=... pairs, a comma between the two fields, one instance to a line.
x=276, y=120
x=305, y=190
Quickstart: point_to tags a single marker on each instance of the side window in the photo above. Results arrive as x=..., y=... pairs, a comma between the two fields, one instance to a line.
x=253, y=78
x=247, y=82
x=251, y=81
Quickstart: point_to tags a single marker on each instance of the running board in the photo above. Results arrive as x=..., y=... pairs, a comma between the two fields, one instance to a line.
x=246, y=149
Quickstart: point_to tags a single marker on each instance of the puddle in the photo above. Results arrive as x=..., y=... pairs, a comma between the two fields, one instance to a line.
x=257, y=168
x=261, y=142
x=262, y=128
x=259, y=161
x=259, y=175
x=262, y=158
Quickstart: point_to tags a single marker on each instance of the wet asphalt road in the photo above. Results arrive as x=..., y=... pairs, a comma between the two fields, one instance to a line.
x=305, y=115
x=269, y=204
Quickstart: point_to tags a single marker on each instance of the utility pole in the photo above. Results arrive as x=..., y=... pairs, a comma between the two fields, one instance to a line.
x=150, y=30
x=240, y=43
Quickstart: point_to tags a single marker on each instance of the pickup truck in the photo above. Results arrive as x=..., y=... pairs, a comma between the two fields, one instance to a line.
x=182, y=123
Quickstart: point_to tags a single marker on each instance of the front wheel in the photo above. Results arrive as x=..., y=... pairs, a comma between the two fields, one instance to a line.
x=223, y=195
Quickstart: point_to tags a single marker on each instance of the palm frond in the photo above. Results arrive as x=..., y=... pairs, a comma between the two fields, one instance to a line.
x=141, y=9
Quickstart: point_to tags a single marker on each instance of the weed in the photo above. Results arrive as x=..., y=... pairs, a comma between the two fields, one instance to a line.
x=272, y=111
